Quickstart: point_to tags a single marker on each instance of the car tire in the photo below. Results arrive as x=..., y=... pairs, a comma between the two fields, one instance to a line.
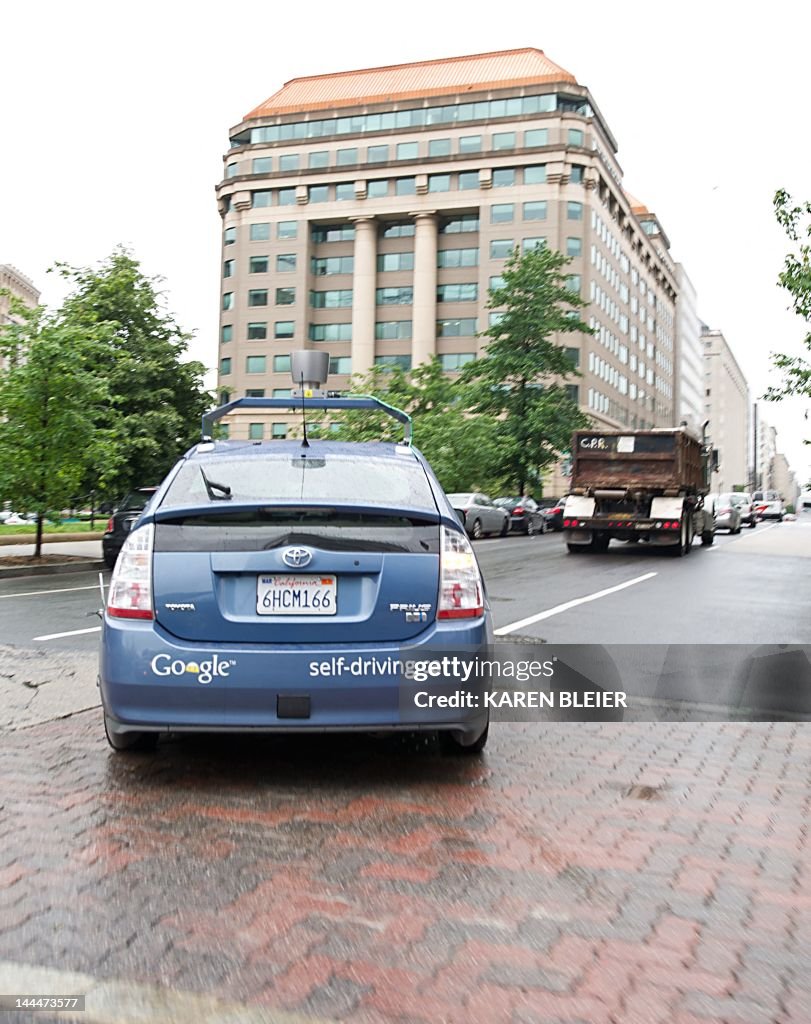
x=505, y=529
x=753, y=524
x=476, y=531
x=707, y=538
x=451, y=746
x=736, y=530
x=126, y=741
x=530, y=530
x=600, y=543
x=110, y=560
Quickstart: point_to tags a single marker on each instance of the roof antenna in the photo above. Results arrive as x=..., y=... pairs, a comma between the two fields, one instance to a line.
x=305, y=443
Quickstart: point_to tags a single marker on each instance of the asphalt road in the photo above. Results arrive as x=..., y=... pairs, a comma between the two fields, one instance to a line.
x=754, y=588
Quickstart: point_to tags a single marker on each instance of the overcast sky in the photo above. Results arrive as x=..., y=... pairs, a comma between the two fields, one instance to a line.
x=115, y=119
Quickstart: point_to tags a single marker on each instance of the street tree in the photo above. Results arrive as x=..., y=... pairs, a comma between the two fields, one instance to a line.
x=521, y=378
x=51, y=403
x=156, y=396
x=795, y=277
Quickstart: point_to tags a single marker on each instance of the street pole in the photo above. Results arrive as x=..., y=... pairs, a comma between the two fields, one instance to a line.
x=754, y=449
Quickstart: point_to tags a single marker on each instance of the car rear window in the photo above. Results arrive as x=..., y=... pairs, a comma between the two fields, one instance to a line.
x=314, y=478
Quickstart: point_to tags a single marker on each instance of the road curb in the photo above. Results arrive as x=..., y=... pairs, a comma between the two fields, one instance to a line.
x=57, y=569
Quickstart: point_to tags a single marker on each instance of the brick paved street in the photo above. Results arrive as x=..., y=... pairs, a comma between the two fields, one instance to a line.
x=606, y=874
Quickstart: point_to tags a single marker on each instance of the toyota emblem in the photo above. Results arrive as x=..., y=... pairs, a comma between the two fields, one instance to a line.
x=297, y=558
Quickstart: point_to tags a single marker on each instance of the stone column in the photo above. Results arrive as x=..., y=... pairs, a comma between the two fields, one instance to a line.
x=423, y=343
x=364, y=281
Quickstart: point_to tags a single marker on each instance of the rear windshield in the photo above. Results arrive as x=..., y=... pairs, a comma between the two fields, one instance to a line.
x=332, y=478
x=135, y=500
x=459, y=499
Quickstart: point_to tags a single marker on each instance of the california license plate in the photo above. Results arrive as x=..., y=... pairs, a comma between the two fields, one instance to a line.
x=296, y=595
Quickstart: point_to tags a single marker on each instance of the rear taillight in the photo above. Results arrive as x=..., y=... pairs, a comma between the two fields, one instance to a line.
x=461, y=593
x=109, y=527
x=130, y=595
x=518, y=511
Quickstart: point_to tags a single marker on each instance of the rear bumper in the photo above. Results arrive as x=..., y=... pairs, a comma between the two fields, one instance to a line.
x=150, y=681
x=651, y=529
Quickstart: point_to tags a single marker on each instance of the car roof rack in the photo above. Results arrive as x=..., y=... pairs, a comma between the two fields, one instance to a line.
x=295, y=403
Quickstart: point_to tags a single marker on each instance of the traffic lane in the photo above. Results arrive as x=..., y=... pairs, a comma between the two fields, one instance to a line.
x=731, y=593
x=572, y=871
x=37, y=606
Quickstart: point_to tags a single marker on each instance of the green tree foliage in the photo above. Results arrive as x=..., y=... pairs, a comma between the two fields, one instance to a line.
x=156, y=399
x=521, y=378
x=461, y=447
x=51, y=404
x=795, y=277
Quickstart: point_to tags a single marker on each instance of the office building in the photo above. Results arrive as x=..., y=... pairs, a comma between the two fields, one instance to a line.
x=689, y=362
x=726, y=406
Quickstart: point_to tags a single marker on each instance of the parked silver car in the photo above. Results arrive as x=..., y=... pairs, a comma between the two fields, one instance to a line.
x=727, y=515
x=480, y=515
x=743, y=502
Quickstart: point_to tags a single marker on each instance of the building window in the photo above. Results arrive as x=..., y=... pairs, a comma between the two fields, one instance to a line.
x=395, y=261
x=289, y=162
x=500, y=248
x=496, y=282
x=259, y=232
x=324, y=265
x=399, y=229
x=285, y=296
x=284, y=329
x=346, y=190
x=333, y=299
x=535, y=175
x=495, y=318
x=330, y=332
x=537, y=137
x=503, y=177
x=457, y=225
x=393, y=362
x=468, y=180
x=405, y=186
x=287, y=229
x=340, y=364
x=333, y=233
x=447, y=258
x=407, y=150
x=464, y=328
x=287, y=197
x=574, y=211
x=377, y=154
x=318, y=159
x=439, y=147
x=285, y=263
x=470, y=144
x=229, y=236
x=457, y=292
x=225, y=397
x=225, y=431
x=394, y=296
x=576, y=137
x=258, y=297
x=281, y=364
x=451, y=361
x=576, y=174
x=347, y=156
x=258, y=265
x=573, y=283
x=257, y=331
x=528, y=244
x=502, y=213
x=231, y=170
x=262, y=165
x=226, y=333
x=439, y=182
x=261, y=198
x=254, y=392
x=278, y=431
x=377, y=189
x=573, y=392
x=228, y=300
x=225, y=366
x=574, y=247
x=228, y=268
x=281, y=392
x=392, y=330
x=504, y=140
x=318, y=193
x=256, y=431
x=535, y=211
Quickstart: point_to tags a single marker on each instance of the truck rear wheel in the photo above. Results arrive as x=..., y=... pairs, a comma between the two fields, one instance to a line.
x=707, y=537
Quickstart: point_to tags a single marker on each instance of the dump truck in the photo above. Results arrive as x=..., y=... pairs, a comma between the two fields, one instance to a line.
x=645, y=485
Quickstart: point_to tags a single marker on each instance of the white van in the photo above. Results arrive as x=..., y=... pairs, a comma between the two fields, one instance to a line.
x=769, y=505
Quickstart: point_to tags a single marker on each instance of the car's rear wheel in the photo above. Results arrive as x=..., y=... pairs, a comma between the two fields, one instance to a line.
x=530, y=528
x=476, y=531
x=505, y=529
x=135, y=741
x=109, y=560
x=752, y=523
x=451, y=744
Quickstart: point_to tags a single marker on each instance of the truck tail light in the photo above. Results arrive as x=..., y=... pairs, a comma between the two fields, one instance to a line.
x=130, y=595
x=461, y=593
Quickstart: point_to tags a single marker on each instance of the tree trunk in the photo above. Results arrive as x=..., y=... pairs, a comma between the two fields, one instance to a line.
x=38, y=548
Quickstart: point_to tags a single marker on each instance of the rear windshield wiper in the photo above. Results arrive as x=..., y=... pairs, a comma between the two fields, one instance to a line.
x=215, y=491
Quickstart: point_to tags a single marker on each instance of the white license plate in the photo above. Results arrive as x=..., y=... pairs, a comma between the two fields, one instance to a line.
x=296, y=595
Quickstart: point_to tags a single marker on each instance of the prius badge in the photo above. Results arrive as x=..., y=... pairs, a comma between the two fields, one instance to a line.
x=297, y=558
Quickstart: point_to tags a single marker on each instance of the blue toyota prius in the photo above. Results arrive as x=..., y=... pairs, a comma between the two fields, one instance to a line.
x=282, y=586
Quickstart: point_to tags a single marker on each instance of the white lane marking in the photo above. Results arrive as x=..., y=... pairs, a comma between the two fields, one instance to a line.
x=71, y=632
x=513, y=626
x=36, y=593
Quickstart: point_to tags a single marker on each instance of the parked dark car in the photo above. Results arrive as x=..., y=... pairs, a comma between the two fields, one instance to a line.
x=121, y=522
x=553, y=513
x=526, y=516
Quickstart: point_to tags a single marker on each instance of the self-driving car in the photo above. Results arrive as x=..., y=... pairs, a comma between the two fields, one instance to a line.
x=288, y=585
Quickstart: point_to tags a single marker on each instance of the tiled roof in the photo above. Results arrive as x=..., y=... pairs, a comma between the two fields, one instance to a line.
x=475, y=73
